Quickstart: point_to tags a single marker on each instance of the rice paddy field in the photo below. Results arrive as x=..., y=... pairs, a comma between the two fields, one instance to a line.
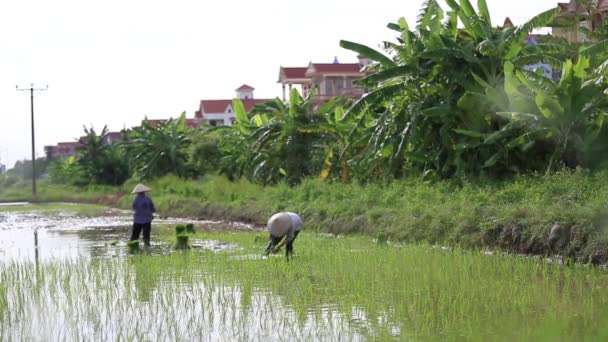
x=66, y=273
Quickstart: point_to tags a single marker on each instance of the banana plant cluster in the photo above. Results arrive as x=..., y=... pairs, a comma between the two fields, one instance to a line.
x=161, y=149
x=279, y=141
x=449, y=97
x=442, y=100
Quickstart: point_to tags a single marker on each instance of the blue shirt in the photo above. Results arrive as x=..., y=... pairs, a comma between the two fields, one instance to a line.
x=296, y=220
x=143, y=207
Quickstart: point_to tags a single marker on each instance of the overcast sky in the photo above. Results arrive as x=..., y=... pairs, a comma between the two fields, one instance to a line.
x=113, y=62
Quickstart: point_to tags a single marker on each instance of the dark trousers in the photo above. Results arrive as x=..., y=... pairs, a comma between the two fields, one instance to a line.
x=138, y=227
x=289, y=244
x=274, y=240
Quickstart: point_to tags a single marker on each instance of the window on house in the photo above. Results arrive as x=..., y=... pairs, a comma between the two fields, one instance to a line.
x=215, y=123
x=329, y=89
x=317, y=87
x=339, y=86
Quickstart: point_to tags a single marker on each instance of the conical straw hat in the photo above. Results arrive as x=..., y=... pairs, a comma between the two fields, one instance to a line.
x=140, y=188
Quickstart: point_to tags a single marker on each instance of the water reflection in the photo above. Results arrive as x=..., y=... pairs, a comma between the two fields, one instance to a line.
x=32, y=236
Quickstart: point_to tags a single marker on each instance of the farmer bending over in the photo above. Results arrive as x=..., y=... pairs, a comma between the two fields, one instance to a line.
x=285, y=224
x=143, y=208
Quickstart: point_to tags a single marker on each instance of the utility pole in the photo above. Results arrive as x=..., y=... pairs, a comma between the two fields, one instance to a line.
x=31, y=89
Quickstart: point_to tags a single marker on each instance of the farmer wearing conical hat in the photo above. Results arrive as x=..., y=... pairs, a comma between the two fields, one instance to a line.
x=143, y=208
x=280, y=225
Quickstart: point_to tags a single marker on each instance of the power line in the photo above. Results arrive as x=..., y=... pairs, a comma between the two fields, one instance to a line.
x=31, y=89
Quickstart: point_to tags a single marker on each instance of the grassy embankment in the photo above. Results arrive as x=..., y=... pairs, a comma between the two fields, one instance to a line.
x=516, y=215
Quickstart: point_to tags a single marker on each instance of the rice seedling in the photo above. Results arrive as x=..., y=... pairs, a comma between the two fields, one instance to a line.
x=182, y=241
x=180, y=229
x=133, y=246
x=190, y=228
x=335, y=288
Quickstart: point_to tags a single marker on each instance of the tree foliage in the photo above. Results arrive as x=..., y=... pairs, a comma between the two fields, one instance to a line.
x=160, y=149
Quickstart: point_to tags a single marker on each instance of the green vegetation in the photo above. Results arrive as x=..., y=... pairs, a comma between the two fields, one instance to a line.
x=451, y=97
x=515, y=215
x=160, y=149
x=182, y=241
x=133, y=246
x=347, y=287
x=456, y=142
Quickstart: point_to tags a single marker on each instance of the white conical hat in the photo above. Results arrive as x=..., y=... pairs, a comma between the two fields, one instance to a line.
x=140, y=188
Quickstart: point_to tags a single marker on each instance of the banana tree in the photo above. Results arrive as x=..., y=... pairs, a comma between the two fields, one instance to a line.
x=570, y=114
x=416, y=88
x=160, y=149
x=102, y=163
x=279, y=141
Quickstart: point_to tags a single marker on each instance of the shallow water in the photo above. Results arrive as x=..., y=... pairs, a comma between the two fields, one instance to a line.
x=69, y=296
x=40, y=236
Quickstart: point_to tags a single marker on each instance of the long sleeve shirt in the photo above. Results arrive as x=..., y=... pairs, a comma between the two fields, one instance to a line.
x=143, y=208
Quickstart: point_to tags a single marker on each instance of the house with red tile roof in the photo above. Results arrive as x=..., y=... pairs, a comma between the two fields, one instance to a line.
x=327, y=80
x=578, y=13
x=113, y=138
x=62, y=150
x=220, y=112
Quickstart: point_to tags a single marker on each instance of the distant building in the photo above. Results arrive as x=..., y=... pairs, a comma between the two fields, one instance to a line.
x=327, y=80
x=113, y=138
x=221, y=113
x=2, y=168
x=62, y=150
x=576, y=14
x=547, y=70
x=192, y=123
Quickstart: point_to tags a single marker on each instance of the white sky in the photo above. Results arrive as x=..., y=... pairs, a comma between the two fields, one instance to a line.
x=114, y=61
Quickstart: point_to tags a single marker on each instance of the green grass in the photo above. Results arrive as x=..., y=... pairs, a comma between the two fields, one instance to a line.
x=480, y=214
x=335, y=287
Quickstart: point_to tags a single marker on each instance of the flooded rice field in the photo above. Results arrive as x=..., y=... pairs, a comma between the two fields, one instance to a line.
x=63, y=234
x=66, y=273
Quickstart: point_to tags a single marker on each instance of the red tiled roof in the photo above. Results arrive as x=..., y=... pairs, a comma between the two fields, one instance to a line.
x=570, y=8
x=219, y=106
x=245, y=87
x=214, y=106
x=337, y=68
x=294, y=72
